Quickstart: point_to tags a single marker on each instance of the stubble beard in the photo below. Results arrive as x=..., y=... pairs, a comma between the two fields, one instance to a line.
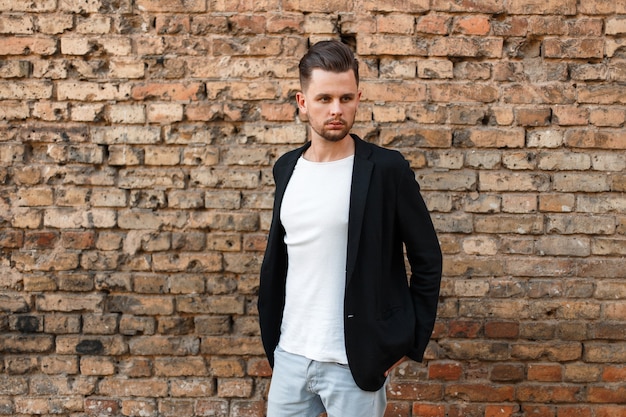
x=333, y=135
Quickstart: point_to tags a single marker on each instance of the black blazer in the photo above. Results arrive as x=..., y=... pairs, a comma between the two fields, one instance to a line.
x=385, y=316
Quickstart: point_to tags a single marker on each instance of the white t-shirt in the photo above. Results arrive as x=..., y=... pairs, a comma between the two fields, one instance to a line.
x=314, y=213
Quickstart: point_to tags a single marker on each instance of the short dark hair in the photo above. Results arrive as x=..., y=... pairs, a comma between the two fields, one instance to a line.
x=332, y=55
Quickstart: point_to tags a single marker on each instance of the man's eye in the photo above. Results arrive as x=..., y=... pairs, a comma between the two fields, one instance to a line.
x=346, y=99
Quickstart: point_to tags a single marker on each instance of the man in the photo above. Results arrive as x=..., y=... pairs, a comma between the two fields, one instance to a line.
x=336, y=310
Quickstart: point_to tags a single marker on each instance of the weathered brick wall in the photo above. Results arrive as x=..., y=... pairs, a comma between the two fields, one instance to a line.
x=136, y=145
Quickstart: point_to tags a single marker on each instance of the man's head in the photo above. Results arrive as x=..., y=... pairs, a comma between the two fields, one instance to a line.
x=332, y=56
x=330, y=92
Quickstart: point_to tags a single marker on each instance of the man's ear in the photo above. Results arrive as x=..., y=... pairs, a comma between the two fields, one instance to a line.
x=301, y=100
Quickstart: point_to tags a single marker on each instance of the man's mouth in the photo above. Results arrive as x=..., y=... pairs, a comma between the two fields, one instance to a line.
x=335, y=124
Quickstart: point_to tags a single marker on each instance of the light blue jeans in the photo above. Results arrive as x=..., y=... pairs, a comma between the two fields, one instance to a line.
x=304, y=388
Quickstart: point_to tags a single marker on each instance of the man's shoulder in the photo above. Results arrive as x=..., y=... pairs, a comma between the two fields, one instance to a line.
x=380, y=154
x=290, y=155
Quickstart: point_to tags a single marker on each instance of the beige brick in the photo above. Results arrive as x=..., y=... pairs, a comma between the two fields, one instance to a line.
x=564, y=161
x=25, y=90
x=78, y=6
x=34, y=197
x=557, y=202
x=126, y=68
x=435, y=69
x=467, y=47
x=607, y=117
x=69, y=302
x=96, y=365
x=463, y=93
x=210, y=305
x=162, y=345
x=234, y=387
x=121, y=387
x=519, y=203
x=546, y=138
x=16, y=24
x=76, y=46
x=567, y=7
x=575, y=181
x=317, y=23
x=141, y=305
x=562, y=224
x=193, y=388
x=14, y=111
x=180, y=367
x=126, y=113
x=168, y=91
x=574, y=48
x=480, y=246
x=616, y=25
x=40, y=6
x=404, y=6
x=389, y=44
x=517, y=181
x=395, y=23
x=563, y=246
x=490, y=138
x=54, y=23
x=92, y=25
x=164, y=113
x=608, y=139
x=570, y=116
x=416, y=136
x=90, y=91
x=320, y=6
x=56, y=364
x=184, y=6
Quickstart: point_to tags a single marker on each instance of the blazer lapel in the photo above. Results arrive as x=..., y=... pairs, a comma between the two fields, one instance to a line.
x=283, y=174
x=361, y=175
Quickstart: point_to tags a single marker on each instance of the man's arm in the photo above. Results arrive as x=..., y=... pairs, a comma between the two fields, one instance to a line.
x=424, y=256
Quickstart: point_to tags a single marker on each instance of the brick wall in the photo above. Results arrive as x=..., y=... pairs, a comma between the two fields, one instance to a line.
x=136, y=145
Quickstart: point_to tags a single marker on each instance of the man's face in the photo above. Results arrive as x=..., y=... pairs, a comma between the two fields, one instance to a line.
x=330, y=102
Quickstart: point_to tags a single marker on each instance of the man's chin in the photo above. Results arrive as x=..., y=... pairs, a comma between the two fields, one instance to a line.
x=335, y=136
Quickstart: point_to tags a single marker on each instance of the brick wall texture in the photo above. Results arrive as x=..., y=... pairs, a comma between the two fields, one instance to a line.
x=136, y=144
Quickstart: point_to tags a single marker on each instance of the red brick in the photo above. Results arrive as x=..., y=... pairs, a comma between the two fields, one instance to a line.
x=539, y=410
x=614, y=373
x=503, y=330
x=615, y=395
x=500, y=410
x=480, y=392
x=556, y=394
x=434, y=23
x=428, y=410
x=447, y=371
x=414, y=391
x=472, y=25
x=611, y=411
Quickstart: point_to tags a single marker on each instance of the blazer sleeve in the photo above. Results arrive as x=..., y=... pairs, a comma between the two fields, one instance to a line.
x=424, y=256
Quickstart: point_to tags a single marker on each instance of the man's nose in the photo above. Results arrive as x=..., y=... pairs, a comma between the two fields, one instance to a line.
x=335, y=107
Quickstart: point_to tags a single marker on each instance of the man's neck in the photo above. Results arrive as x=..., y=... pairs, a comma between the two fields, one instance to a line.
x=322, y=150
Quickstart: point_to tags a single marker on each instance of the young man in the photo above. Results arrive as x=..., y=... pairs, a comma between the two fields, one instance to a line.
x=336, y=310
